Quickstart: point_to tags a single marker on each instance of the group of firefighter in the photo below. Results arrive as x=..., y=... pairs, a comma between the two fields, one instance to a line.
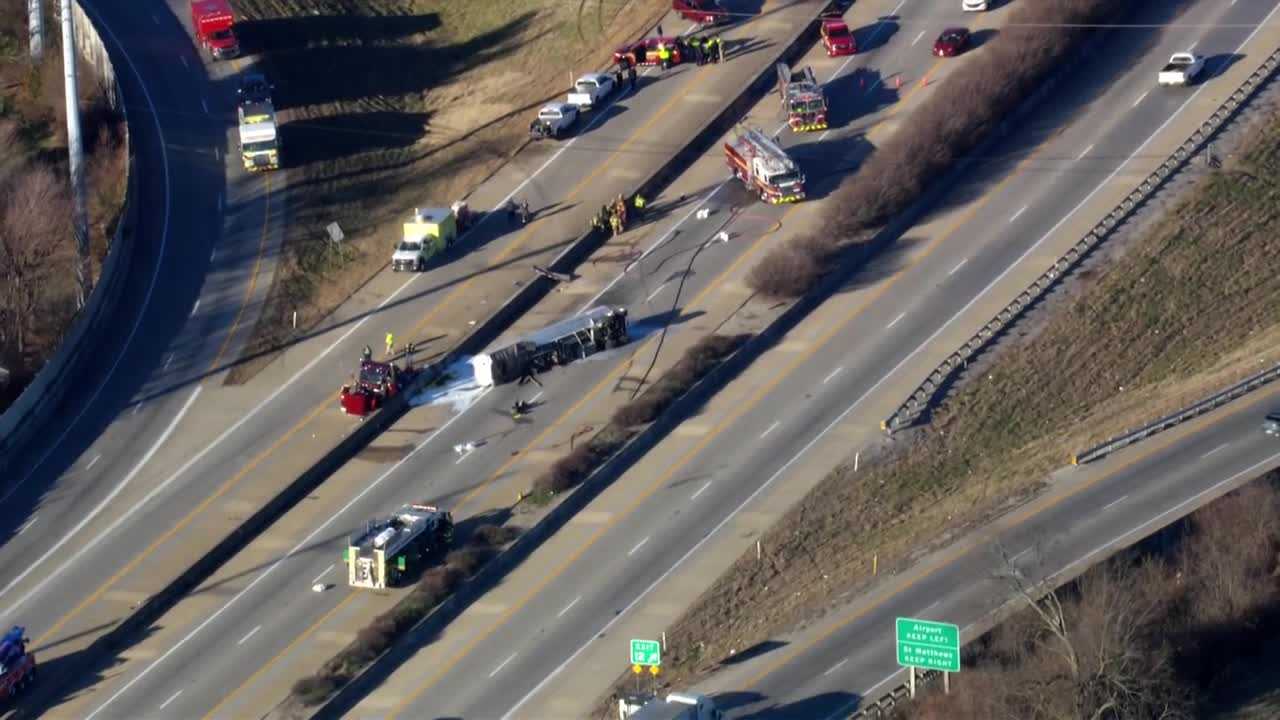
x=703, y=50
x=613, y=217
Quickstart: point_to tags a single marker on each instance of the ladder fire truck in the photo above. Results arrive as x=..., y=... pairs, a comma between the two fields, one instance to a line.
x=764, y=167
x=390, y=547
x=802, y=98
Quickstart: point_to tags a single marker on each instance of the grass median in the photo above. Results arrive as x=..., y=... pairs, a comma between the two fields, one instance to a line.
x=1180, y=308
x=387, y=105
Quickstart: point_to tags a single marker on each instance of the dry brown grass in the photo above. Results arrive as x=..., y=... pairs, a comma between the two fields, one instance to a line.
x=37, y=255
x=957, y=117
x=387, y=104
x=1188, y=300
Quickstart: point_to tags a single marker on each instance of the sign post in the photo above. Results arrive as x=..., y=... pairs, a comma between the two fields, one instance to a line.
x=929, y=645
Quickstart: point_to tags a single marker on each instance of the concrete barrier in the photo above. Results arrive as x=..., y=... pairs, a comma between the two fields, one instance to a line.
x=25, y=418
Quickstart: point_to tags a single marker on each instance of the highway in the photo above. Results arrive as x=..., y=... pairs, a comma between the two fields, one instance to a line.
x=150, y=467
x=267, y=610
x=839, y=370
x=1102, y=509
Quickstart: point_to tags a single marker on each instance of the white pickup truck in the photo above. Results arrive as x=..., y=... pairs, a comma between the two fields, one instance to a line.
x=590, y=89
x=554, y=120
x=1182, y=69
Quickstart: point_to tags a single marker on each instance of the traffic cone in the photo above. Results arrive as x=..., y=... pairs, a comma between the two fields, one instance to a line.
x=897, y=82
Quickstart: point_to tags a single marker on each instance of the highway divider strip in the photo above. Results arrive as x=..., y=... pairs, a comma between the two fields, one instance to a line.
x=479, y=338
x=927, y=393
x=26, y=417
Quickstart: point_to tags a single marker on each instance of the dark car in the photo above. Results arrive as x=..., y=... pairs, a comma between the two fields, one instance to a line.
x=1271, y=425
x=951, y=42
x=253, y=88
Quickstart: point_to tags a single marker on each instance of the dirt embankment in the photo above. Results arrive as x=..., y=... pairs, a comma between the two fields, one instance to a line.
x=37, y=250
x=1190, y=305
x=388, y=104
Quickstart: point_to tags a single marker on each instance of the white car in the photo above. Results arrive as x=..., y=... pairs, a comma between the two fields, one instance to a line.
x=974, y=5
x=1182, y=69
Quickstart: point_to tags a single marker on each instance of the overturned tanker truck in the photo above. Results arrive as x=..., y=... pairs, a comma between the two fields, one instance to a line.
x=581, y=336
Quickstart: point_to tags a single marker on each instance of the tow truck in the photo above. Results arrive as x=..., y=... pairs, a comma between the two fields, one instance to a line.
x=802, y=98
x=675, y=706
x=17, y=666
x=701, y=12
x=376, y=383
x=391, y=547
x=764, y=167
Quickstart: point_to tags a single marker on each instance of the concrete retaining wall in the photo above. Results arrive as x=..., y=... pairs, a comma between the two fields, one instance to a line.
x=27, y=415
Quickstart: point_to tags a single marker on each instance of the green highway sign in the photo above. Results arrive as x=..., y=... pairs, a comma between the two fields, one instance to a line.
x=929, y=645
x=646, y=652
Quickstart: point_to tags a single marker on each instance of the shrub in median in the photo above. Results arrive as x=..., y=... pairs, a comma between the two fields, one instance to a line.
x=495, y=535
x=959, y=115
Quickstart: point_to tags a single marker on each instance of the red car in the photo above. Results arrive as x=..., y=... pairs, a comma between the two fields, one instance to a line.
x=702, y=12
x=951, y=42
x=645, y=52
x=837, y=39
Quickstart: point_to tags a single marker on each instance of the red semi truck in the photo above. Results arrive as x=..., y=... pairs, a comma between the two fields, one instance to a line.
x=212, y=21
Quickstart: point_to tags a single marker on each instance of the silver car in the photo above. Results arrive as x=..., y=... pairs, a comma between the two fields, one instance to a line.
x=1271, y=425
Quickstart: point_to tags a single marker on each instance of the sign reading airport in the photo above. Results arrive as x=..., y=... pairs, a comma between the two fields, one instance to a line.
x=926, y=644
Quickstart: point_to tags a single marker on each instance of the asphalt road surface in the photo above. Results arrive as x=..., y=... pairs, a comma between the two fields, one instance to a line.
x=272, y=610
x=154, y=433
x=1112, y=109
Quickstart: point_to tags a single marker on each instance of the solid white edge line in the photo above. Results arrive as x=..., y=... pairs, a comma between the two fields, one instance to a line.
x=41, y=563
x=292, y=552
x=768, y=483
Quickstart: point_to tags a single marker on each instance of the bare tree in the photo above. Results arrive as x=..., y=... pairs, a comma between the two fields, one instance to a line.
x=33, y=228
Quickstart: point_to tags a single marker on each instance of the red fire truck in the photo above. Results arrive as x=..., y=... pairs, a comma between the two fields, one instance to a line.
x=212, y=21
x=802, y=98
x=764, y=167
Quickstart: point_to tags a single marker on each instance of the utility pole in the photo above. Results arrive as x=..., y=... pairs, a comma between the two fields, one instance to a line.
x=35, y=24
x=75, y=148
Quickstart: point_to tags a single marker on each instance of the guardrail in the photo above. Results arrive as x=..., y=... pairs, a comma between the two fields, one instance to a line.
x=23, y=420
x=1208, y=404
x=884, y=707
x=909, y=412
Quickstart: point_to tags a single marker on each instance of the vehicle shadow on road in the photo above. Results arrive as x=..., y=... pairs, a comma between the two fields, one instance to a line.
x=822, y=705
x=877, y=34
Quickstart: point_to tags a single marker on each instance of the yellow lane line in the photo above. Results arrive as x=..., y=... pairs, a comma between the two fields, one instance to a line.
x=253, y=279
x=186, y=520
x=715, y=432
x=563, y=418
x=967, y=545
x=351, y=595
